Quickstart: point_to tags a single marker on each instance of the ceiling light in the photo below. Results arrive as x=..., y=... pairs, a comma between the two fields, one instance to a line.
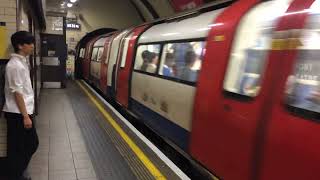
x=69, y=5
x=73, y=1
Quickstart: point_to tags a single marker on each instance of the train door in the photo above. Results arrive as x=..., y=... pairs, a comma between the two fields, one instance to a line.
x=124, y=65
x=87, y=60
x=233, y=88
x=111, y=74
x=104, y=65
x=95, y=64
x=292, y=143
x=78, y=63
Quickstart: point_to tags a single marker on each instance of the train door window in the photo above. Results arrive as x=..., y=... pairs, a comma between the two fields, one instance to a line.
x=81, y=53
x=94, y=54
x=182, y=60
x=249, y=52
x=100, y=53
x=147, y=58
x=109, y=46
x=125, y=47
x=303, y=85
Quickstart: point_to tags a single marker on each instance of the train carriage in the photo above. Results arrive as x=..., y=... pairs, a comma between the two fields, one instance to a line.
x=235, y=85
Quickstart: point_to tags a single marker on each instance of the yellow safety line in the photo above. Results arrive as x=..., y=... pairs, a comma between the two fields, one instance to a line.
x=143, y=158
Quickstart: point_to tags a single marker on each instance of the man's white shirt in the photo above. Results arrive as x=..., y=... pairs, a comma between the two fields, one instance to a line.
x=18, y=80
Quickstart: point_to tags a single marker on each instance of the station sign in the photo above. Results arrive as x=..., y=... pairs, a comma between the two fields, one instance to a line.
x=72, y=24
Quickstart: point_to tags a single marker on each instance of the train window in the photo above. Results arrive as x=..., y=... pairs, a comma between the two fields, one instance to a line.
x=124, y=50
x=100, y=53
x=108, y=52
x=147, y=58
x=94, y=54
x=81, y=53
x=303, y=86
x=248, y=55
x=182, y=60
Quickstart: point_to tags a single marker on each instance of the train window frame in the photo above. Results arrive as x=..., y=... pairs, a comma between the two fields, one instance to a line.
x=81, y=52
x=125, y=42
x=163, y=55
x=106, y=61
x=98, y=59
x=236, y=78
x=95, y=55
x=162, y=43
x=302, y=75
x=159, y=57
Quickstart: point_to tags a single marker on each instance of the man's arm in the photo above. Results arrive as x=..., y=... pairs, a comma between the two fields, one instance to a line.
x=22, y=107
x=15, y=78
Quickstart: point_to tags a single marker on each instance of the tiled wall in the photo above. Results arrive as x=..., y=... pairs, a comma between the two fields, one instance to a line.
x=3, y=125
x=8, y=14
x=3, y=138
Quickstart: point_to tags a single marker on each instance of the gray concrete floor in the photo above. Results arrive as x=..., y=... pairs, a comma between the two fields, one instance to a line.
x=62, y=154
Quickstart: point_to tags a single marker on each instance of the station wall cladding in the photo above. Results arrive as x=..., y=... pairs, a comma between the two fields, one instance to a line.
x=8, y=25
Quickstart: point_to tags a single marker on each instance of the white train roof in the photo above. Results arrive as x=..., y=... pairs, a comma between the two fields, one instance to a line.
x=190, y=28
x=100, y=42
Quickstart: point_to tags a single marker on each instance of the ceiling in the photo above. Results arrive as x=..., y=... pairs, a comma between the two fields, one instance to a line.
x=59, y=5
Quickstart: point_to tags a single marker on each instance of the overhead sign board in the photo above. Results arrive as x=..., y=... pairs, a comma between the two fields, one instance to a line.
x=72, y=24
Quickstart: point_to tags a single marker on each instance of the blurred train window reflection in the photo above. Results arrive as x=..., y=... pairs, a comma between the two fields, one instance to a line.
x=82, y=52
x=100, y=53
x=182, y=60
x=94, y=54
x=303, y=86
x=124, y=49
x=147, y=58
x=251, y=44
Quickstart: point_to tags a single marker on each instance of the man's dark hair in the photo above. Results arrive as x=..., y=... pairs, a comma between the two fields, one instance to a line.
x=169, y=57
x=190, y=57
x=148, y=56
x=21, y=38
x=145, y=54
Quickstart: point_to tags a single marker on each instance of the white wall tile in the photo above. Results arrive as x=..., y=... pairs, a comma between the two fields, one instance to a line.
x=5, y=3
x=10, y=11
x=8, y=19
x=1, y=11
x=3, y=137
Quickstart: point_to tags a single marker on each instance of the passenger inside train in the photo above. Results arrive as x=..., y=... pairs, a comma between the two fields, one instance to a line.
x=182, y=60
x=187, y=72
x=228, y=90
x=145, y=57
x=152, y=62
x=168, y=65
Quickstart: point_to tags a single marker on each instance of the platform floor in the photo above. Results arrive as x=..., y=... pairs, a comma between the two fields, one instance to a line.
x=78, y=143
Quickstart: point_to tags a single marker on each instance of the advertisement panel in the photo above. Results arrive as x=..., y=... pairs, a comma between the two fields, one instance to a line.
x=3, y=41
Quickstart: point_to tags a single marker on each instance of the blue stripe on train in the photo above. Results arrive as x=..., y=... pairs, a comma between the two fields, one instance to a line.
x=161, y=125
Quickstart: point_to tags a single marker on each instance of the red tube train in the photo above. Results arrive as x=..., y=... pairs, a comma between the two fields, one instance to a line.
x=235, y=85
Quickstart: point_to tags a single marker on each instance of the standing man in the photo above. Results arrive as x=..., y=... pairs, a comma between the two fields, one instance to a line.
x=22, y=138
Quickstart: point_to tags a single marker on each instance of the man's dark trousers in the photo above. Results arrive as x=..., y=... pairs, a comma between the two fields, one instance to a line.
x=21, y=145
